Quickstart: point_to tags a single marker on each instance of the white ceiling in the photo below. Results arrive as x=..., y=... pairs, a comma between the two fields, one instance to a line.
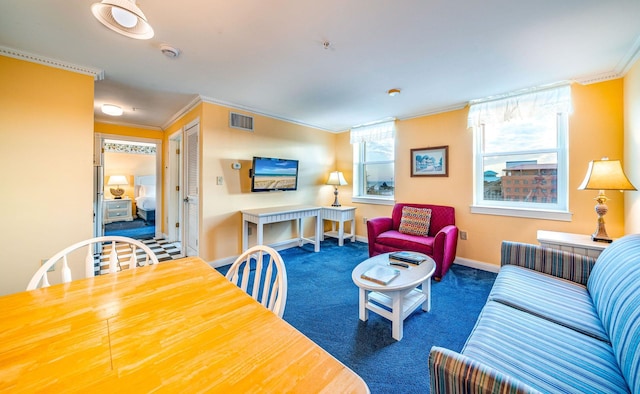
x=267, y=56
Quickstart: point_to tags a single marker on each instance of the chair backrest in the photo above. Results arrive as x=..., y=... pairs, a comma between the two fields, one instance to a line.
x=260, y=272
x=127, y=246
x=441, y=216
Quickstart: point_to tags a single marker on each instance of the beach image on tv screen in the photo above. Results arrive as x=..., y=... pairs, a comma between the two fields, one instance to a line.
x=275, y=174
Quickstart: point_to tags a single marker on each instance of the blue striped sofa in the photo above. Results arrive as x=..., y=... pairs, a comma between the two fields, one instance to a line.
x=554, y=322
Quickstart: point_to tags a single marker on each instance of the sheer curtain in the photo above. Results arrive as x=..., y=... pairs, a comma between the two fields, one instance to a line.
x=374, y=132
x=528, y=105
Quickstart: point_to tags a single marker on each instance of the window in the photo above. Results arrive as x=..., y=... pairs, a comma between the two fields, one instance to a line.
x=374, y=163
x=522, y=140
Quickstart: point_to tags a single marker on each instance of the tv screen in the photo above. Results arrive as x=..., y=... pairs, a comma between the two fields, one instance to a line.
x=271, y=174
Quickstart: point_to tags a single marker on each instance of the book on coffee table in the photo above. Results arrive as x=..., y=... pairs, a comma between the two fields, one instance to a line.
x=380, y=274
x=408, y=257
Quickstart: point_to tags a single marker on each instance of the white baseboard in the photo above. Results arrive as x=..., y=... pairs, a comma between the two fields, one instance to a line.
x=480, y=265
x=294, y=243
x=476, y=264
x=277, y=246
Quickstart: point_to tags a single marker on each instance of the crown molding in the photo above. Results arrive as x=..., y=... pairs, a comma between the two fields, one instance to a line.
x=435, y=111
x=257, y=112
x=596, y=78
x=633, y=55
x=96, y=73
x=623, y=67
x=191, y=105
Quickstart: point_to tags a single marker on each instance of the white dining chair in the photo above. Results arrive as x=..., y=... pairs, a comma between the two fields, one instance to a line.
x=95, y=246
x=260, y=272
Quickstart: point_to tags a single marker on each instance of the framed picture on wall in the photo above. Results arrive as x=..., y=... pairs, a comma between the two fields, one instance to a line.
x=432, y=161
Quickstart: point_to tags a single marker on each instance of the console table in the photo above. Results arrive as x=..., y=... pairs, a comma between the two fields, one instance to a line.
x=262, y=216
x=340, y=215
x=575, y=243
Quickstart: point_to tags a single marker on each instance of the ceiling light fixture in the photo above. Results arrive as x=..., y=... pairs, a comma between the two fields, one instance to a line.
x=124, y=17
x=112, y=110
x=393, y=92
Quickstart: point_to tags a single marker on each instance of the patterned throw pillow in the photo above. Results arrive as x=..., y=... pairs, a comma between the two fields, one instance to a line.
x=415, y=221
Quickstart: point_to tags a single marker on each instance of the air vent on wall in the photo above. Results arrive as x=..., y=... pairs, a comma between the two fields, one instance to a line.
x=239, y=121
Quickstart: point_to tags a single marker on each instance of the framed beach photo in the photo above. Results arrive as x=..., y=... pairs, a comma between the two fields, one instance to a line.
x=430, y=161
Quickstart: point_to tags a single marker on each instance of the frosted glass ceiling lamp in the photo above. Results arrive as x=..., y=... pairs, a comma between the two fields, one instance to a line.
x=604, y=175
x=336, y=179
x=117, y=180
x=124, y=17
x=112, y=110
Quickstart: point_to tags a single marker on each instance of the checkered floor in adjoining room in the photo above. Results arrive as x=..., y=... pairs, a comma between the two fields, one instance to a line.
x=163, y=250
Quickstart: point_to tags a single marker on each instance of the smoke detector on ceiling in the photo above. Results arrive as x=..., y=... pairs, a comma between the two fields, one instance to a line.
x=169, y=51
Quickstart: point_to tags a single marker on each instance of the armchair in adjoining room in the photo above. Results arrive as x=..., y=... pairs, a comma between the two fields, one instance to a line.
x=422, y=228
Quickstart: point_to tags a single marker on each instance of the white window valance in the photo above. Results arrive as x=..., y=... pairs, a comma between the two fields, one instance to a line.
x=374, y=132
x=524, y=106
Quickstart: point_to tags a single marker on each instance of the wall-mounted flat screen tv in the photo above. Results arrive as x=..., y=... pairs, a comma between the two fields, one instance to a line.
x=271, y=174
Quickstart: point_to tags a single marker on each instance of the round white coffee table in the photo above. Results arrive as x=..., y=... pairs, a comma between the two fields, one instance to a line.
x=402, y=295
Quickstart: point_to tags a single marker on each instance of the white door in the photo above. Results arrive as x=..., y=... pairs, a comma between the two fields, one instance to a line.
x=191, y=193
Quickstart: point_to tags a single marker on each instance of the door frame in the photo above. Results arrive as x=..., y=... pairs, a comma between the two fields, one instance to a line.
x=174, y=185
x=101, y=137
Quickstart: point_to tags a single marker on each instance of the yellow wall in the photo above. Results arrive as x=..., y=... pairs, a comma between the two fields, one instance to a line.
x=220, y=226
x=46, y=165
x=595, y=130
x=47, y=128
x=632, y=147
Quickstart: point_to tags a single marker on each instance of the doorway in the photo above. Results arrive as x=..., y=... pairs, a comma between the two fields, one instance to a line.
x=129, y=168
x=182, y=185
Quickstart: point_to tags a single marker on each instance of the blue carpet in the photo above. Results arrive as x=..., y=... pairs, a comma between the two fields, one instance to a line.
x=322, y=303
x=136, y=229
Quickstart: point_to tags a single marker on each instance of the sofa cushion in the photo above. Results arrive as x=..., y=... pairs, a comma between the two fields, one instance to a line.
x=547, y=356
x=399, y=241
x=415, y=221
x=561, y=301
x=614, y=285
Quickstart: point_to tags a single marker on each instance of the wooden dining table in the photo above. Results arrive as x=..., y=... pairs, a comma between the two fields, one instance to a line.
x=177, y=326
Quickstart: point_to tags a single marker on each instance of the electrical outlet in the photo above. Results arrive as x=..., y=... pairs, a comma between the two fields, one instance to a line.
x=51, y=269
x=364, y=220
x=463, y=235
x=219, y=180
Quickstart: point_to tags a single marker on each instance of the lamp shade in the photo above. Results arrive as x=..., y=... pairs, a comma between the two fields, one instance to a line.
x=337, y=179
x=124, y=17
x=117, y=180
x=605, y=175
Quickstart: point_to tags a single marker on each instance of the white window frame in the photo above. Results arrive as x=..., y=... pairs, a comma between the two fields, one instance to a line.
x=359, y=163
x=558, y=211
x=360, y=135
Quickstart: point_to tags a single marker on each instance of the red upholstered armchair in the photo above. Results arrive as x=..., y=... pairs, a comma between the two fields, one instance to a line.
x=440, y=243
